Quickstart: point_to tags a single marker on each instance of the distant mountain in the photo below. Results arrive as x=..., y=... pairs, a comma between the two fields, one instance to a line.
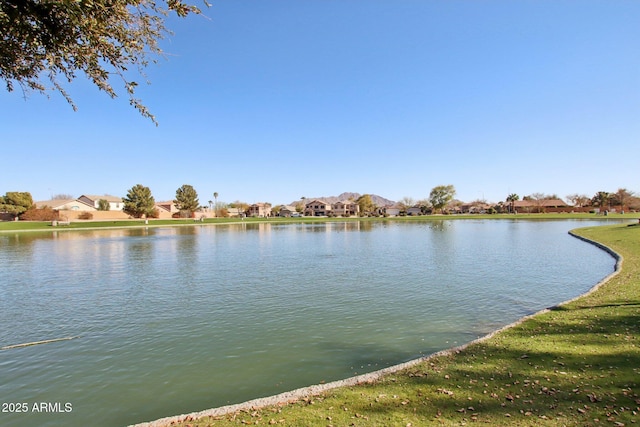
x=378, y=200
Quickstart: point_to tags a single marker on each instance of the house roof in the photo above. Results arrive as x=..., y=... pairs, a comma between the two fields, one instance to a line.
x=546, y=203
x=58, y=203
x=316, y=201
x=168, y=206
x=54, y=204
x=108, y=198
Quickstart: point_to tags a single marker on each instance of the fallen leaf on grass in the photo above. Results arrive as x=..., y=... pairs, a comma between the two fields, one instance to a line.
x=593, y=398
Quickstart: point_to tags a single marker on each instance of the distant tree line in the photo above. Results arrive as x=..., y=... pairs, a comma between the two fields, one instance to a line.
x=139, y=202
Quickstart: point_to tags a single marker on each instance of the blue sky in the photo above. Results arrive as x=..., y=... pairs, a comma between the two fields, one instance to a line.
x=271, y=100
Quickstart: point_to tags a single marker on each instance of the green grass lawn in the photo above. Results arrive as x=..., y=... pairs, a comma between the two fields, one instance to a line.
x=575, y=365
x=7, y=226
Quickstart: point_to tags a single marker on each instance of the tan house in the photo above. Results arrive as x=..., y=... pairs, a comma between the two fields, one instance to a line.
x=235, y=212
x=167, y=206
x=115, y=203
x=166, y=210
x=317, y=208
x=391, y=210
x=260, y=210
x=474, y=208
x=65, y=205
x=288, y=211
x=345, y=208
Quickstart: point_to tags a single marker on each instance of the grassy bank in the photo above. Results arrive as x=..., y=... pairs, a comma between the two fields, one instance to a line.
x=575, y=365
x=18, y=226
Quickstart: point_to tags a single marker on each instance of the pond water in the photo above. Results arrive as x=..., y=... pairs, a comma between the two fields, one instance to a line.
x=176, y=320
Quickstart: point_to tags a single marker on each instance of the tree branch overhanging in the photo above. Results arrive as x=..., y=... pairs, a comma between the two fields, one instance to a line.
x=45, y=41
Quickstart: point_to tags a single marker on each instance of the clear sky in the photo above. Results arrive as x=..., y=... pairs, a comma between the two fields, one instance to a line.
x=272, y=100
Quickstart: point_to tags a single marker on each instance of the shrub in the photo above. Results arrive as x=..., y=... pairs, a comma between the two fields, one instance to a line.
x=103, y=205
x=42, y=214
x=85, y=215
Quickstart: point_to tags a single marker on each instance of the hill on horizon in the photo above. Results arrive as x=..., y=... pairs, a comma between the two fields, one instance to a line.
x=378, y=200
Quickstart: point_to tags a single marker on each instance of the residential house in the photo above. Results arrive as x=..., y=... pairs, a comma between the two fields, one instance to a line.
x=414, y=211
x=317, y=208
x=288, y=211
x=235, y=212
x=391, y=210
x=474, y=208
x=260, y=210
x=115, y=203
x=65, y=205
x=166, y=208
x=345, y=208
x=543, y=205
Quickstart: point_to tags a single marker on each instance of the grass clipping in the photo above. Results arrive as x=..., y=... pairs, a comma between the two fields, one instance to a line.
x=577, y=364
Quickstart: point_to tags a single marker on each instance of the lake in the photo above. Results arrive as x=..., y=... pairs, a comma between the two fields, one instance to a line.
x=181, y=319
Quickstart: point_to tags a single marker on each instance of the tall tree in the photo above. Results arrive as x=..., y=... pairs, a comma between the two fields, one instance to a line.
x=601, y=199
x=100, y=38
x=406, y=203
x=538, y=199
x=425, y=206
x=621, y=196
x=187, y=200
x=16, y=202
x=215, y=197
x=366, y=205
x=578, y=200
x=441, y=195
x=139, y=202
x=240, y=205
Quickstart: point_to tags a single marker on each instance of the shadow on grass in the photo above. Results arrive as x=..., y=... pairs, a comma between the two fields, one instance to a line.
x=577, y=366
x=624, y=304
x=574, y=371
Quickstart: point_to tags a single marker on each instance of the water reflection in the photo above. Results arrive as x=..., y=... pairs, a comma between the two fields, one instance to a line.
x=440, y=226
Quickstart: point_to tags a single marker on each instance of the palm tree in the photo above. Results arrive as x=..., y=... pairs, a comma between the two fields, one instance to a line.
x=511, y=198
x=215, y=196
